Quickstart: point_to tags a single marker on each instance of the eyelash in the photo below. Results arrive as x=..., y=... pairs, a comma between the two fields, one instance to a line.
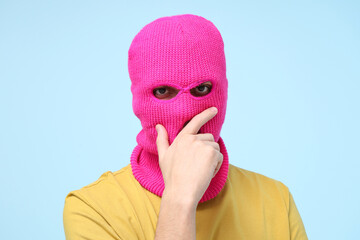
x=207, y=86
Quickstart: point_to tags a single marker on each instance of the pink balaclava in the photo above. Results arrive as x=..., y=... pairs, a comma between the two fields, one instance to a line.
x=180, y=51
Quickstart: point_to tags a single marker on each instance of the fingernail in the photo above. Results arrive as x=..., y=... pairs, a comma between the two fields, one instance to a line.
x=157, y=128
x=214, y=109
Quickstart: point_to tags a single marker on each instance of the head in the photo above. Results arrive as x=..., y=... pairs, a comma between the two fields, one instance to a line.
x=185, y=55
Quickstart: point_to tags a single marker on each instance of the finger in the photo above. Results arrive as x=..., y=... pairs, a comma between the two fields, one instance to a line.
x=218, y=166
x=162, y=141
x=216, y=170
x=198, y=121
x=205, y=137
x=213, y=144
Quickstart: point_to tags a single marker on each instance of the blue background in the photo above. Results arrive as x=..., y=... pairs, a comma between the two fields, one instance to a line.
x=66, y=115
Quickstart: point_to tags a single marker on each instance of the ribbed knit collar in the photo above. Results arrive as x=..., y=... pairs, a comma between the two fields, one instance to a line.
x=146, y=170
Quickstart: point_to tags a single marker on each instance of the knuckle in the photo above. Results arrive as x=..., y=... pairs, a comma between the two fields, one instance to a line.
x=191, y=138
x=211, y=136
x=210, y=151
x=198, y=144
x=217, y=146
x=221, y=157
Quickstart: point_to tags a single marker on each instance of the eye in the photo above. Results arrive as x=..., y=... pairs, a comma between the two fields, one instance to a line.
x=165, y=92
x=160, y=91
x=201, y=90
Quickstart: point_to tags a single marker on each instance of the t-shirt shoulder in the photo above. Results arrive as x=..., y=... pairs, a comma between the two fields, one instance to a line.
x=251, y=175
x=95, y=210
x=104, y=181
x=253, y=180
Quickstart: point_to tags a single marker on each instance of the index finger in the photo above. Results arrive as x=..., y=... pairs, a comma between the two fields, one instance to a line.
x=199, y=120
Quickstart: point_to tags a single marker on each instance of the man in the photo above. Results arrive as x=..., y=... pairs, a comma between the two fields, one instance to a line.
x=179, y=183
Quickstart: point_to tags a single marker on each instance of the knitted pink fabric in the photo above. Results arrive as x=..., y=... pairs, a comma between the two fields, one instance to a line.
x=180, y=51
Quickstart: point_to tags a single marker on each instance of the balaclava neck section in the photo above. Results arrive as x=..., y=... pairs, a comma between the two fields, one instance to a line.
x=146, y=170
x=180, y=51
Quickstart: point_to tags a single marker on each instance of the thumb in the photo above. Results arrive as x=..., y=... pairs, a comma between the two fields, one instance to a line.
x=162, y=141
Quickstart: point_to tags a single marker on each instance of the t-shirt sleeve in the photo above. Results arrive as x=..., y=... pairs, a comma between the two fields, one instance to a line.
x=297, y=229
x=82, y=222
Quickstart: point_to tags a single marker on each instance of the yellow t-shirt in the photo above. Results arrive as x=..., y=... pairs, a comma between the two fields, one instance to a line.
x=251, y=206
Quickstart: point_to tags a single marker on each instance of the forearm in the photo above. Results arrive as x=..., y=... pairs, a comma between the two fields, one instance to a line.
x=177, y=219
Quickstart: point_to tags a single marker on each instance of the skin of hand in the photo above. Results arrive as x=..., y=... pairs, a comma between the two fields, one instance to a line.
x=191, y=161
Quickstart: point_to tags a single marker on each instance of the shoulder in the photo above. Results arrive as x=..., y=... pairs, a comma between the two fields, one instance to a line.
x=102, y=196
x=100, y=206
x=109, y=183
x=251, y=176
x=257, y=184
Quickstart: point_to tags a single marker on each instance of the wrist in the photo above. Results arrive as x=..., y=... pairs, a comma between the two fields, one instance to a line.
x=172, y=197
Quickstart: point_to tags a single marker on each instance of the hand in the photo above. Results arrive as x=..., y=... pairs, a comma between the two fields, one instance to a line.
x=192, y=160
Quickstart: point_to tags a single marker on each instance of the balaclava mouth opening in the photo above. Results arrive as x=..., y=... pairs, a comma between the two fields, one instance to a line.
x=180, y=51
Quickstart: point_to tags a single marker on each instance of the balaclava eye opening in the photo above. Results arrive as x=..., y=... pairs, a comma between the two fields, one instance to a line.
x=181, y=51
